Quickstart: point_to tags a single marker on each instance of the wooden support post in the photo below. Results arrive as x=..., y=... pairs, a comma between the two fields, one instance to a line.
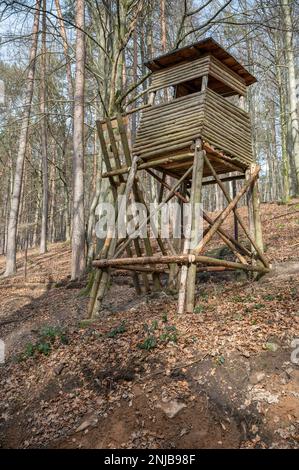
x=151, y=98
x=173, y=268
x=236, y=228
x=242, y=102
x=135, y=275
x=256, y=212
x=253, y=203
x=250, y=213
x=186, y=246
x=144, y=275
x=97, y=280
x=204, y=82
x=195, y=201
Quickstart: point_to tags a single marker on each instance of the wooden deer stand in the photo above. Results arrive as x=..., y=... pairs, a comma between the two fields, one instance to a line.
x=194, y=138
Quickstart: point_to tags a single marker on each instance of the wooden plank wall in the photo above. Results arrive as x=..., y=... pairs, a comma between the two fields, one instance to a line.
x=170, y=126
x=227, y=128
x=198, y=68
x=180, y=73
x=225, y=75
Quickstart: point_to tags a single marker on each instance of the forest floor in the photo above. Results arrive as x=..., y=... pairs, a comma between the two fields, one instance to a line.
x=144, y=377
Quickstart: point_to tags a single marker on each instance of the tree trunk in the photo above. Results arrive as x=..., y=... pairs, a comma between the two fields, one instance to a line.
x=71, y=98
x=282, y=123
x=65, y=49
x=17, y=184
x=43, y=110
x=163, y=27
x=78, y=232
x=135, y=78
x=293, y=114
x=52, y=200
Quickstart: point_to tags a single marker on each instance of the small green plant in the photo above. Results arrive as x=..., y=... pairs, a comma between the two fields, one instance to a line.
x=204, y=295
x=120, y=329
x=47, y=337
x=43, y=348
x=150, y=328
x=29, y=350
x=170, y=334
x=269, y=297
x=258, y=306
x=149, y=343
x=164, y=318
x=199, y=309
x=52, y=332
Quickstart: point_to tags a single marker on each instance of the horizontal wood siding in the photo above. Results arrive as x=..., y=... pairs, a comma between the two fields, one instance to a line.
x=180, y=73
x=227, y=128
x=222, y=73
x=170, y=126
x=196, y=69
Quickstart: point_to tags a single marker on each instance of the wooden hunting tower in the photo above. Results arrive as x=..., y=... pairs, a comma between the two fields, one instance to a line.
x=199, y=131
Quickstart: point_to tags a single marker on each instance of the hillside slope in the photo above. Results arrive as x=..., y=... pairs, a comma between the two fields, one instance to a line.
x=142, y=376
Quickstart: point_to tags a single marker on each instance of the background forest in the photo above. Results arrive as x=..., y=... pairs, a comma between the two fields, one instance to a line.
x=64, y=64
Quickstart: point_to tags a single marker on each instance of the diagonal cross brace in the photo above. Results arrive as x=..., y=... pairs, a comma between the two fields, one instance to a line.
x=229, y=200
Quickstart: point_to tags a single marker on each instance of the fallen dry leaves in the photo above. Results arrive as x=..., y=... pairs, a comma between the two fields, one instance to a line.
x=225, y=370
